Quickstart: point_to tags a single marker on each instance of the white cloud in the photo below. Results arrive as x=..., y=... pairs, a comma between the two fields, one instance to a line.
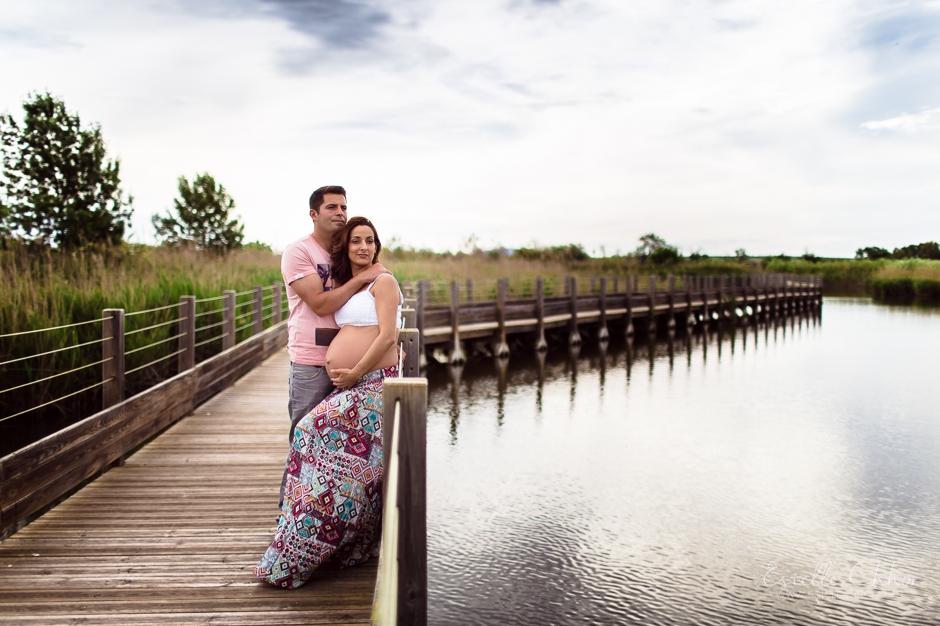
x=907, y=122
x=717, y=125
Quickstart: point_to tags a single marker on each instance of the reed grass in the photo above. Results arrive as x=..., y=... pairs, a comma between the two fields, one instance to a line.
x=904, y=281
x=45, y=288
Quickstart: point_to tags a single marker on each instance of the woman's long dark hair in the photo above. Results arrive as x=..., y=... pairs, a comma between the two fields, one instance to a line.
x=339, y=249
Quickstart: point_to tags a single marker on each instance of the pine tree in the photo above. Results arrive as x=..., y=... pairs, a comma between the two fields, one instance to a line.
x=57, y=184
x=203, y=217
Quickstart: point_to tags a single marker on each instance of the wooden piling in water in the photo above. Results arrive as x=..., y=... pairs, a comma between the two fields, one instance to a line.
x=574, y=337
x=540, y=344
x=602, y=334
x=628, y=296
x=671, y=321
x=502, y=293
x=456, y=353
x=651, y=302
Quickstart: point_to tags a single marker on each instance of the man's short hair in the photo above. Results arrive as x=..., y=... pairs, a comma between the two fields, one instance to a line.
x=316, y=199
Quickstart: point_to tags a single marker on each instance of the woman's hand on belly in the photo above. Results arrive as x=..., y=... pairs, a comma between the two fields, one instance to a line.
x=344, y=378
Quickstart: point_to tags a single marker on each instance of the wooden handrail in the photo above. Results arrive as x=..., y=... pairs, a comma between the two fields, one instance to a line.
x=401, y=592
x=401, y=589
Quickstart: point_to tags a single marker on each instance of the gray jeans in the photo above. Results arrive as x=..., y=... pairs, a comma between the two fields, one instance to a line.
x=308, y=385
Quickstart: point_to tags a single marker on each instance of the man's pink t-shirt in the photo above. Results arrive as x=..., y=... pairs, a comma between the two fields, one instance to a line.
x=302, y=258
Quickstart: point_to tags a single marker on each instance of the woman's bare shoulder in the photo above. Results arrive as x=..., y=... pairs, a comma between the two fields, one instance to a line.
x=386, y=281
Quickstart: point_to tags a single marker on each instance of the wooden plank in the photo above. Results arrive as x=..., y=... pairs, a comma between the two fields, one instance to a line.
x=46, y=488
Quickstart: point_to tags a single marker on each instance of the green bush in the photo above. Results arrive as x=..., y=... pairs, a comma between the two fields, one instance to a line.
x=928, y=291
x=896, y=290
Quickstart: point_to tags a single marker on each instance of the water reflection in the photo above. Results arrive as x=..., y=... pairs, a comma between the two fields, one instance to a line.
x=562, y=490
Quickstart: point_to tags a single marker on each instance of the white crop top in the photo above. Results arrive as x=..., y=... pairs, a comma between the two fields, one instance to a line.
x=360, y=310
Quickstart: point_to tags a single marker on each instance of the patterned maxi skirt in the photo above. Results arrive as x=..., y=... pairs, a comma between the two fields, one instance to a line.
x=333, y=495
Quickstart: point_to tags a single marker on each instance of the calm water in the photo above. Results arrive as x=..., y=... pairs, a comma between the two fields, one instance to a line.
x=781, y=479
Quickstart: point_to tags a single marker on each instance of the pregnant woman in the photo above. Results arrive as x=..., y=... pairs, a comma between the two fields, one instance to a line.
x=333, y=495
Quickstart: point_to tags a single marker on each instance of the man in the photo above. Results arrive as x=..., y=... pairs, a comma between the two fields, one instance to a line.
x=312, y=298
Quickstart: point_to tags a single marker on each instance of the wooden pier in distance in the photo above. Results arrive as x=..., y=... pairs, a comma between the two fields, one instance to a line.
x=683, y=301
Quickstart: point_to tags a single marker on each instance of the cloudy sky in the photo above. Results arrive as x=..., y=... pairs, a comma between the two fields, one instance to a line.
x=774, y=126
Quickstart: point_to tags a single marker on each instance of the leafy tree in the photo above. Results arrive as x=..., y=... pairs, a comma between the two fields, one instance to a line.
x=741, y=255
x=649, y=243
x=566, y=254
x=873, y=253
x=655, y=249
x=57, y=184
x=926, y=250
x=663, y=256
x=203, y=217
x=260, y=246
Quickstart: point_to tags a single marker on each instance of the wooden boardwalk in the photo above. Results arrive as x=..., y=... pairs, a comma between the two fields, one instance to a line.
x=172, y=537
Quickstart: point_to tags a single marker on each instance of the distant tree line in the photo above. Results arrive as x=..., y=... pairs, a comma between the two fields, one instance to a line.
x=926, y=250
x=59, y=188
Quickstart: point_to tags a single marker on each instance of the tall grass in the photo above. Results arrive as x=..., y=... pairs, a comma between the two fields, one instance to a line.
x=485, y=269
x=43, y=288
x=890, y=280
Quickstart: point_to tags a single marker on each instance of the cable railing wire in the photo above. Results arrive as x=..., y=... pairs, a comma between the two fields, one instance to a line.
x=59, y=399
x=241, y=328
x=41, y=380
x=33, y=356
x=202, y=343
x=155, y=343
x=162, y=358
x=140, y=330
x=208, y=326
x=159, y=308
x=212, y=299
x=209, y=312
x=42, y=330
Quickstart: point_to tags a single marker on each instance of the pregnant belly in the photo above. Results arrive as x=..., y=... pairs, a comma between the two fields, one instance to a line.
x=351, y=344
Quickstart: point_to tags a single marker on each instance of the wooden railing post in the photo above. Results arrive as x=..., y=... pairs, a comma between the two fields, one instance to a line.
x=602, y=334
x=186, y=360
x=276, y=302
x=228, y=319
x=112, y=353
x=574, y=337
x=409, y=342
x=651, y=298
x=540, y=344
x=456, y=353
x=257, y=325
x=419, y=320
x=469, y=290
x=411, y=549
x=408, y=314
